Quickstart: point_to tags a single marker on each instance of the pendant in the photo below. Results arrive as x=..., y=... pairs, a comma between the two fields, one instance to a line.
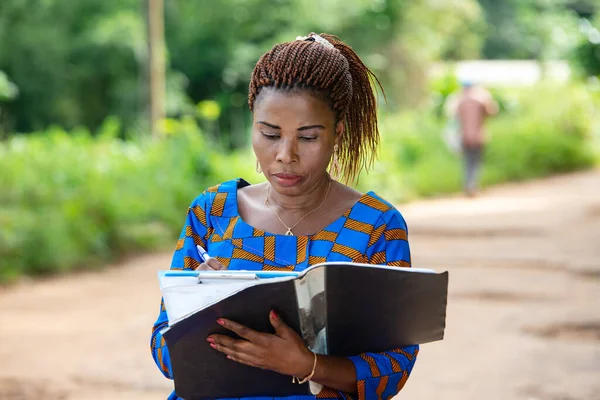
x=289, y=233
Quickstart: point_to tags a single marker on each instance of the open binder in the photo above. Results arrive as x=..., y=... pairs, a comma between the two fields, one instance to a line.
x=339, y=308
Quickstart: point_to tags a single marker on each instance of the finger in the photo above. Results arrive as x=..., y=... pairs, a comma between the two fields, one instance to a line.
x=241, y=330
x=245, y=362
x=238, y=354
x=205, y=267
x=281, y=328
x=215, y=264
x=226, y=341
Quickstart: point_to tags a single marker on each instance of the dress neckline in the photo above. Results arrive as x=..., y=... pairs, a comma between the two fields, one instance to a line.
x=241, y=183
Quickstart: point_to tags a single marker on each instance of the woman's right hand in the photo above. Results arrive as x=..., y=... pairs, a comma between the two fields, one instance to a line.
x=211, y=264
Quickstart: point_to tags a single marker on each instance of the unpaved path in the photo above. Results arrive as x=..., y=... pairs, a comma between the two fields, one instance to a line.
x=523, y=317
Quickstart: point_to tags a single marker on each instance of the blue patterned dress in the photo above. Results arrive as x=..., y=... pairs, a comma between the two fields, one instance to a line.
x=372, y=231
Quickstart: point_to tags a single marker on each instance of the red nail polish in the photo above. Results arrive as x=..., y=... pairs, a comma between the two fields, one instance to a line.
x=274, y=314
x=220, y=322
x=214, y=346
x=210, y=340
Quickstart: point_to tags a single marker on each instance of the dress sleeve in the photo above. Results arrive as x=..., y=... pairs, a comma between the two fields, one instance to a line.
x=196, y=231
x=382, y=375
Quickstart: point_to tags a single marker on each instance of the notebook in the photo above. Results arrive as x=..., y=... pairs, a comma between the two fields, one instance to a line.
x=339, y=308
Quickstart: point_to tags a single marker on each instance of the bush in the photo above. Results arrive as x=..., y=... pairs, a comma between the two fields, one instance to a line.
x=71, y=200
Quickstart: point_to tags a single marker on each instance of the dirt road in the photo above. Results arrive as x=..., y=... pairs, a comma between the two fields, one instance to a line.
x=523, y=317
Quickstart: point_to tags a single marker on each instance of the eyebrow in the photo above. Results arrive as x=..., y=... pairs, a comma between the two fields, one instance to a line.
x=302, y=128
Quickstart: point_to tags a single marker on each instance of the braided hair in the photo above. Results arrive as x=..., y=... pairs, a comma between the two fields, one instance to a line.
x=335, y=71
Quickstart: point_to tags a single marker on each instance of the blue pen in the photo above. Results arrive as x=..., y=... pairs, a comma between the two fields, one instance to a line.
x=202, y=253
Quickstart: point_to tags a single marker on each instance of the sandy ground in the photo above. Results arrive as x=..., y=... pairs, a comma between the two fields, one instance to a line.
x=523, y=317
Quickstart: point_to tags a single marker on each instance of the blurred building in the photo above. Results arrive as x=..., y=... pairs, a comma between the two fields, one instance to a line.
x=504, y=72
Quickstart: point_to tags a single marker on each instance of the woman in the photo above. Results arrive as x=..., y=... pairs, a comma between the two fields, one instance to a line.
x=314, y=108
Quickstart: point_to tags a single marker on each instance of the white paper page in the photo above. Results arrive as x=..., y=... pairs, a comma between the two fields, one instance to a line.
x=184, y=296
x=183, y=300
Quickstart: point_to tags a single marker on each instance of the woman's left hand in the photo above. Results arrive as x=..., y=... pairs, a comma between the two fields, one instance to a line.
x=282, y=352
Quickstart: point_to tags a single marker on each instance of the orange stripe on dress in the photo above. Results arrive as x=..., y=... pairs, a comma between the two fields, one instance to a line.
x=163, y=367
x=378, y=258
x=349, y=252
x=190, y=233
x=302, y=249
x=376, y=234
x=328, y=393
x=360, y=385
x=218, y=204
x=402, y=381
x=190, y=263
x=180, y=244
x=395, y=234
x=312, y=260
x=246, y=255
x=325, y=235
x=267, y=267
x=396, y=367
x=372, y=365
x=229, y=231
x=269, y=250
x=374, y=203
x=200, y=214
x=381, y=387
x=405, y=354
x=257, y=232
x=358, y=226
x=399, y=263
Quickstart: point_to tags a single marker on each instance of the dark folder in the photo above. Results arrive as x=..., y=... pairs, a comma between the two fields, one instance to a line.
x=358, y=308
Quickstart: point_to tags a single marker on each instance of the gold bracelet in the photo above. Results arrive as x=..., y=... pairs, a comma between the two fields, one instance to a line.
x=309, y=377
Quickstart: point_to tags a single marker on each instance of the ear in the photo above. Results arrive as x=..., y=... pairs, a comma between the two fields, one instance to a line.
x=340, y=128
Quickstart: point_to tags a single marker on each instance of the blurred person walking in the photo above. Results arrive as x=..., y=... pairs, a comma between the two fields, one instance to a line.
x=469, y=108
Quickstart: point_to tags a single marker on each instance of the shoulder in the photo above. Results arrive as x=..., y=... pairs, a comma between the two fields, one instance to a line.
x=377, y=211
x=217, y=192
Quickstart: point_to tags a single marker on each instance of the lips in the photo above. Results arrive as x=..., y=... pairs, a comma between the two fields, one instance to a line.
x=285, y=179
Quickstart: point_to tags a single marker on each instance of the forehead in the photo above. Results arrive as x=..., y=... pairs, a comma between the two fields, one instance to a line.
x=295, y=105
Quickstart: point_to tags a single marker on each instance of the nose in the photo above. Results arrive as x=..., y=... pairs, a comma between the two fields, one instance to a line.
x=287, y=151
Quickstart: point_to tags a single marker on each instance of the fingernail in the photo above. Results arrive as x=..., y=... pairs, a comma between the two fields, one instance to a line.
x=274, y=314
x=220, y=322
x=210, y=340
x=214, y=346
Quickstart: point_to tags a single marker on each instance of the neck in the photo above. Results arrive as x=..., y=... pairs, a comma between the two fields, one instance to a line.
x=311, y=199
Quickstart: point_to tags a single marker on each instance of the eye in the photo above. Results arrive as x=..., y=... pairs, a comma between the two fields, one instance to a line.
x=270, y=136
x=308, y=138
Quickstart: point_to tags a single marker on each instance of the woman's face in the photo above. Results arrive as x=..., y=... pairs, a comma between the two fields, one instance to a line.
x=293, y=136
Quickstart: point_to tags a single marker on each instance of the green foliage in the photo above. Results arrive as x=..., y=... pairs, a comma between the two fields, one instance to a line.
x=586, y=56
x=77, y=62
x=533, y=29
x=74, y=62
x=8, y=90
x=70, y=200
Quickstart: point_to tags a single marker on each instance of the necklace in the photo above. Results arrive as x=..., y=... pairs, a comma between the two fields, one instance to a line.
x=289, y=228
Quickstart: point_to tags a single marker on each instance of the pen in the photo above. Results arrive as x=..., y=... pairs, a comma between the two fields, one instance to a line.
x=202, y=253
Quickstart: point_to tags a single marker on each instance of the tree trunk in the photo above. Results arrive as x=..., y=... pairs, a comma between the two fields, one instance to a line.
x=156, y=44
